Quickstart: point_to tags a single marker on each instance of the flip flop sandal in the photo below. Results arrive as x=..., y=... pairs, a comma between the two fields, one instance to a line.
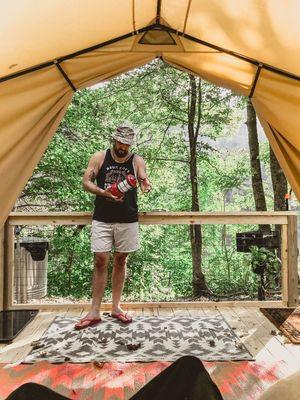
x=86, y=322
x=125, y=318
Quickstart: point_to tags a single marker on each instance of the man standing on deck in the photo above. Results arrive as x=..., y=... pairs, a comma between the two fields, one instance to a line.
x=115, y=220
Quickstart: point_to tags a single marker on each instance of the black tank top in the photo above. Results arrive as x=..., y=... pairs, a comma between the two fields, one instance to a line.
x=106, y=210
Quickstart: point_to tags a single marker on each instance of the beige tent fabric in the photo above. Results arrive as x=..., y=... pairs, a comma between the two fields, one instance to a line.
x=35, y=110
x=218, y=68
x=266, y=30
x=30, y=113
x=32, y=33
x=95, y=67
x=277, y=103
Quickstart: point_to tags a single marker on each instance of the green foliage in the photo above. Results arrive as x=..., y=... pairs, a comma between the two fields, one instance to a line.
x=154, y=99
x=265, y=262
x=70, y=263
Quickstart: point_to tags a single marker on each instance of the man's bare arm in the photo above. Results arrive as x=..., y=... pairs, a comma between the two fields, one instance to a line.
x=91, y=173
x=90, y=176
x=142, y=174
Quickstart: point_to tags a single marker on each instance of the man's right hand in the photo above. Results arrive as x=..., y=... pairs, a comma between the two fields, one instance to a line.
x=107, y=193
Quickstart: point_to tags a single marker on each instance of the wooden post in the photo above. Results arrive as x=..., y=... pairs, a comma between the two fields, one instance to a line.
x=284, y=264
x=1, y=267
x=292, y=262
x=8, y=266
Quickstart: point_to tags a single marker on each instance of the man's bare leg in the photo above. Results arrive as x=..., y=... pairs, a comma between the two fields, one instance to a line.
x=99, y=283
x=118, y=279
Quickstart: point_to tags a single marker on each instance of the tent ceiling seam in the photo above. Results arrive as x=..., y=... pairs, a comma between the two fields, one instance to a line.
x=255, y=80
x=63, y=73
x=187, y=15
x=158, y=11
x=145, y=29
x=133, y=16
x=234, y=54
x=73, y=55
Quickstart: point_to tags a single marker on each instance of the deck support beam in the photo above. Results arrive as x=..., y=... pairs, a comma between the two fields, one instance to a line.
x=1, y=268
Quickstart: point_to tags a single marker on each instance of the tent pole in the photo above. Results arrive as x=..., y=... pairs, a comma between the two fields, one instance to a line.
x=107, y=43
x=158, y=11
x=232, y=53
x=59, y=67
x=73, y=55
x=255, y=81
x=187, y=15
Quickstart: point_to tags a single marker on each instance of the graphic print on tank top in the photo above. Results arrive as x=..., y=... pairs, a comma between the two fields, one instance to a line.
x=106, y=209
x=115, y=174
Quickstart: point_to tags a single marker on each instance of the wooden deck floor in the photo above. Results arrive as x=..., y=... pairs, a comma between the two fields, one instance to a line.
x=249, y=323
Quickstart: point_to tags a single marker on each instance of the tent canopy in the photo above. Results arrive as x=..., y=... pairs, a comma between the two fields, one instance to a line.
x=52, y=48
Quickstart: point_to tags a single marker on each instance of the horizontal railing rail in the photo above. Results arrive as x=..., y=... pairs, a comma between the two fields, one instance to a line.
x=289, y=251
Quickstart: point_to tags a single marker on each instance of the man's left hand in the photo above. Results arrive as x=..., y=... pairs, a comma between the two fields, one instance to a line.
x=145, y=185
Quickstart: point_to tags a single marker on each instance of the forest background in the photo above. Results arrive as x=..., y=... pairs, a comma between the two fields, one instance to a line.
x=203, y=153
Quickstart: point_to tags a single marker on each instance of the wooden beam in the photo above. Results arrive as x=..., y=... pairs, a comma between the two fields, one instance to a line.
x=284, y=264
x=210, y=219
x=8, y=266
x=1, y=267
x=141, y=305
x=54, y=218
x=149, y=218
x=292, y=262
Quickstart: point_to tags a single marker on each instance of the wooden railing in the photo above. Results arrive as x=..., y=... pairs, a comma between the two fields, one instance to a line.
x=289, y=251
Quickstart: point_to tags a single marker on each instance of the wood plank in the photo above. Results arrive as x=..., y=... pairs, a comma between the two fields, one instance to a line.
x=292, y=260
x=211, y=312
x=164, y=311
x=1, y=267
x=74, y=312
x=266, y=326
x=84, y=218
x=73, y=214
x=141, y=305
x=196, y=312
x=284, y=264
x=263, y=332
x=54, y=218
x=8, y=266
x=181, y=311
x=211, y=220
x=293, y=349
x=150, y=311
x=134, y=313
x=247, y=333
x=20, y=347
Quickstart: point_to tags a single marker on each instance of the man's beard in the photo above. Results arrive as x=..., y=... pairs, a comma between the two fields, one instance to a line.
x=120, y=152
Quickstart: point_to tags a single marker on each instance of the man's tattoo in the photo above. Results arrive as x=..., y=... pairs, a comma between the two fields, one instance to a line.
x=92, y=176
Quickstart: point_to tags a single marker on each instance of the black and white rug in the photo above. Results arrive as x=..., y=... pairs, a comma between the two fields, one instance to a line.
x=145, y=339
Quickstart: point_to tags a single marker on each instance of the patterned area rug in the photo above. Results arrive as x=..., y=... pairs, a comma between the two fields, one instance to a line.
x=287, y=320
x=145, y=339
x=236, y=380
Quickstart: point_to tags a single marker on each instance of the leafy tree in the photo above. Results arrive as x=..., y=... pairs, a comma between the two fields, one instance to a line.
x=178, y=118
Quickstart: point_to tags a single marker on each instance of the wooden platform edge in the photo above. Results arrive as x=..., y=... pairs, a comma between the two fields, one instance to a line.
x=141, y=305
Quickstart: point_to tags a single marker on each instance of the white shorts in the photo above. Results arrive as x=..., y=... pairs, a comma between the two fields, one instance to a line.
x=124, y=237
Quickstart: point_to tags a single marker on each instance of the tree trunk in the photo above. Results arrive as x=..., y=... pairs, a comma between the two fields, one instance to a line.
x=279, y=183
x=194, y=117
x=280, y=188
x=256, y=177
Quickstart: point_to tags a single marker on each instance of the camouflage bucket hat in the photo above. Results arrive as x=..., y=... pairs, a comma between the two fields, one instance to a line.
x=124, y=134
